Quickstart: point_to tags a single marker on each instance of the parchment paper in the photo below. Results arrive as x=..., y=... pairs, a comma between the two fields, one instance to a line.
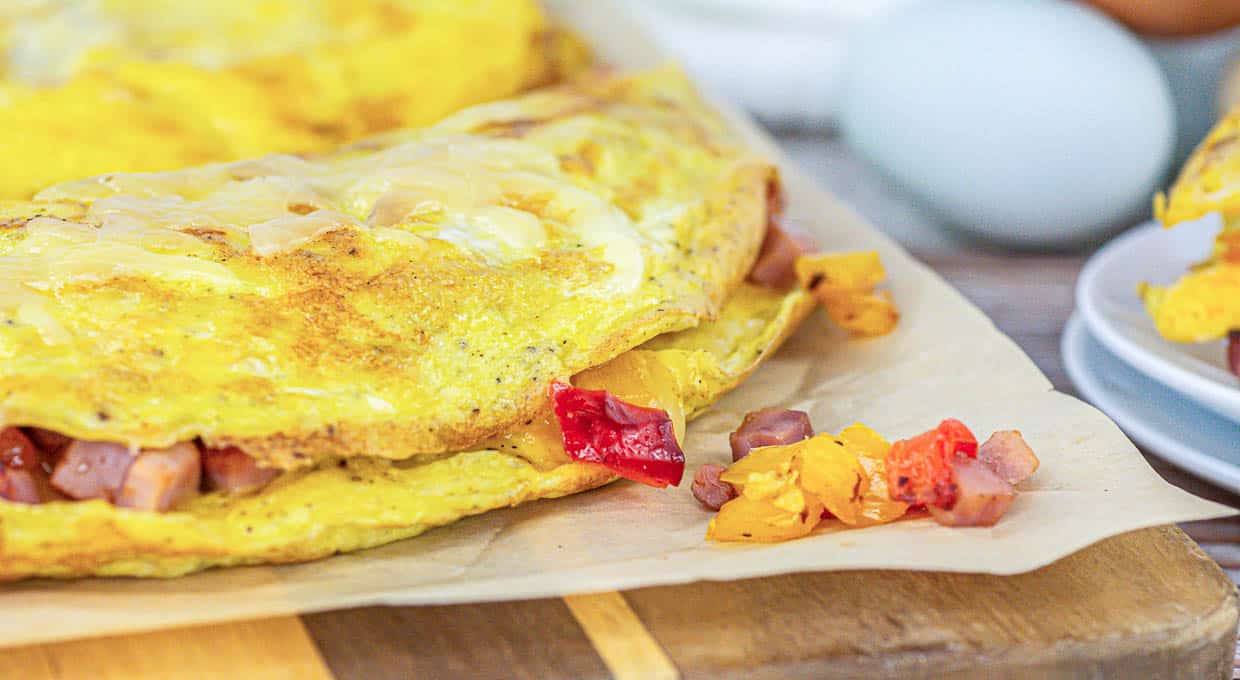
x=946, y=359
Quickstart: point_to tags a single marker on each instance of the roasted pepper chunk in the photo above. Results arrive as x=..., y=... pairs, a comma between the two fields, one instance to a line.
x=748, y=519
x=633, y=441
x=844, y=283
x=877, y=507
x=843, y=475
x=832, y=473
x=919, y=469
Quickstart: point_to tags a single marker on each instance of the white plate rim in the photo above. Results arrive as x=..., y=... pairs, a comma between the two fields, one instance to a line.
x=1220, y=398
x=1150, y=437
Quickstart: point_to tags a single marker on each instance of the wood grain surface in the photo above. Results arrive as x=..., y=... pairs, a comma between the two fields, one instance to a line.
x=1148, y=604
x=1143, y=605
x=263, y=649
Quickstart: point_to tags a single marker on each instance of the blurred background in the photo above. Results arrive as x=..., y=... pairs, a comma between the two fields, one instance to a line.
x=1038, y=125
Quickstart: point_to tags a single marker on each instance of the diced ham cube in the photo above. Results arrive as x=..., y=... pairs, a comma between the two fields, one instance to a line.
x=769, y=427
x=92, y=469
x=981, y=496
x=158, y=479
x=711, y=491
x=776, y=263
x=234, y=471
x=1007, y=454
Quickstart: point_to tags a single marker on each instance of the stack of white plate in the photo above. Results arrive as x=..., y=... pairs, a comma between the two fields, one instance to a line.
x=1178, y=401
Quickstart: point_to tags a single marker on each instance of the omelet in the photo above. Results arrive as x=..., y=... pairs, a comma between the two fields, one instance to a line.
x=384, y=323
x=94, y=86
x=1204, y=304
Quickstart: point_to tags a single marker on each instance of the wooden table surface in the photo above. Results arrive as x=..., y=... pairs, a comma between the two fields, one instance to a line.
x=1167, y=611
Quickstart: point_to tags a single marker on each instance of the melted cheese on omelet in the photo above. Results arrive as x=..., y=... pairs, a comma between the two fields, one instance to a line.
x=410, y=295
x=93, y=86
x=1204, y=304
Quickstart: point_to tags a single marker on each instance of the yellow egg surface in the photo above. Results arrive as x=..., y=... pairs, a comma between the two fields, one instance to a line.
x=349, y=504
x=1204, y=304
x=94, y=86
x=410, y=295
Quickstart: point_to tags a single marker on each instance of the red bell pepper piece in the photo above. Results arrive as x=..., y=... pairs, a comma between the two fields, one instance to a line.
x=919, y=469
x=635, y=442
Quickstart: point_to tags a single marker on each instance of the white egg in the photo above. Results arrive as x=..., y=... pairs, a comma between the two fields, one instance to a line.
x=1030, y=122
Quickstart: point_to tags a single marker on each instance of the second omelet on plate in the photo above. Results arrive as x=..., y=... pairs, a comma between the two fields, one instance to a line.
x=1204, y=304
x=94, y=86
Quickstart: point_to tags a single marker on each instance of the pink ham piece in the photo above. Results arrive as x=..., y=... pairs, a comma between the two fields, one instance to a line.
x=981, y=496
x=769, y=427
x=775, y=267
x=23, y=479
x=92, y=469
x=234, y=471
x=711, y=491
x=1007, y=454
x=158, y=479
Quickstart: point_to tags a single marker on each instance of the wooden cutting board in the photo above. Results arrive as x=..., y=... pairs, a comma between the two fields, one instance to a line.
x=1149, y=604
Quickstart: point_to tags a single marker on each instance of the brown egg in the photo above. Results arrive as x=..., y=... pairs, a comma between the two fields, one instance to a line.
x=1172, y=17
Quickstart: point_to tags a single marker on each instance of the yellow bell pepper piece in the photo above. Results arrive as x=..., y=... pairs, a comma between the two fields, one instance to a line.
x=844, y=284
x=783, y=490
x=871, y=449
x=751, y=519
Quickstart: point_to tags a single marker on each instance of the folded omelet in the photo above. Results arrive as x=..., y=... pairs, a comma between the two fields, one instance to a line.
x=384, y=323
x=93, y=86
x=1204, y=304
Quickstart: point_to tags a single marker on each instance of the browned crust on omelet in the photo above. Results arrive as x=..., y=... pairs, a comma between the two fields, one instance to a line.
x=290, y=450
